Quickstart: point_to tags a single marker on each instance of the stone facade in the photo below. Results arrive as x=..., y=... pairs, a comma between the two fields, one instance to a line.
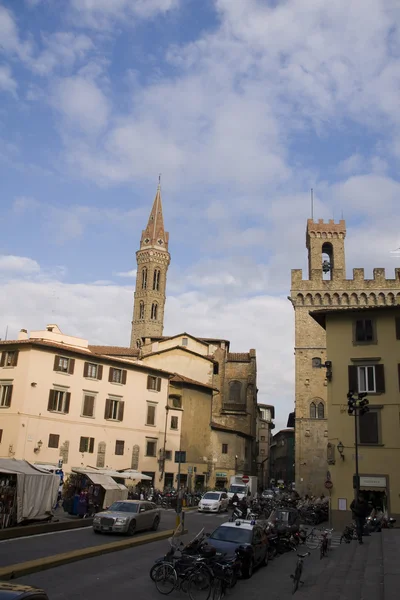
x=282, y=456
x=326, y=286
x=153, y=260
x=266, y=414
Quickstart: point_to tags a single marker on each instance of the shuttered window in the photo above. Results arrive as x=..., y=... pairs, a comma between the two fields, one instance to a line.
x=364, y=331
x=119, y=447
x=63, y=364
x=6, y=390
x=114, y=410
x=88, y=405
x=154, y=383
x=54, y=440
x=151, y=414
x=9, y=359
x=367, y=378
x=369, y=427
x=59, y=401
x=93, y=370
x=117, y=376
x=86, y=444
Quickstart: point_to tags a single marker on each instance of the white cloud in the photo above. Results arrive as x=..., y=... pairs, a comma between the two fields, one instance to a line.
x=62, y=49
x=102, y=14
x=18, y=264
x=81, y=103
x=7, y=82
x=127, y=274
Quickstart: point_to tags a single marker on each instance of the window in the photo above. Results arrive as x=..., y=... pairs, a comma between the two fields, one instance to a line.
x=9, y=359
x=88, y=405
x=86, y=444
x=151, y=447
x=364, y=331
x=5, y=395
x=235, y=392
x=397, y=328
x=154, y=383
x=176, y=401
x=154, y=311
x=117, y=375
x=245, y=451
x=59, y=401
x=151, y=414
x=321, y=411
x=263, y=438
x=144, y=278
x=156, y=279
x=168, y=454
x=141, y=310
x=313, y=411
x=54, y=440
x=224, y=448
x=119, y=447
x=174, y=423
x=216, y=368
x=114, y=410
x=93, y=370
x=1, y=435
x=367, y=378
x=185, y=341
x=369, y=427
x=64, y=365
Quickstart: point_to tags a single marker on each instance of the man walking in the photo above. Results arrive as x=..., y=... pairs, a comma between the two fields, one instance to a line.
x=360, y=511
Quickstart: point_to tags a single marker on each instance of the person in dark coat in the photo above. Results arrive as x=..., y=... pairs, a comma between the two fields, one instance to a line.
x=360, y=510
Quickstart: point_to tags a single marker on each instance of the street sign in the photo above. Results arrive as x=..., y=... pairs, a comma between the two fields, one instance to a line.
x=328, y=484
x=245, y=479
x=180, y=456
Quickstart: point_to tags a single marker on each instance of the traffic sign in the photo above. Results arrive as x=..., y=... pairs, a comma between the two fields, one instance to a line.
x=245, y=479
x=328, y=484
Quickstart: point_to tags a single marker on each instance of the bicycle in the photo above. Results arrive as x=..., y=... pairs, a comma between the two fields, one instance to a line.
x=189, y=576
x=298, y=571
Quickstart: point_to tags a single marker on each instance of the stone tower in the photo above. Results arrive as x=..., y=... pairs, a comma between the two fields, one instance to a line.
x=152, y=260
x=326, y=286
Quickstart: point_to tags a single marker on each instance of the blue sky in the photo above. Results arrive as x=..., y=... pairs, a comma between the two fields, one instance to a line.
x=243, y=106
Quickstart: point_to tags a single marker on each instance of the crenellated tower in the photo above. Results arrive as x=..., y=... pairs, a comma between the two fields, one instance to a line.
x=152, y=260
x=326, y=286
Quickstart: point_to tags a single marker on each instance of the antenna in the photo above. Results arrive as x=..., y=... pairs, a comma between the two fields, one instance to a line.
x=312, y=204
x=5, y=337
x=159, y=180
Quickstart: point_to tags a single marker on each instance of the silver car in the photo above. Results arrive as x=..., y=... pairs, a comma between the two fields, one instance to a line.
x=127, y=516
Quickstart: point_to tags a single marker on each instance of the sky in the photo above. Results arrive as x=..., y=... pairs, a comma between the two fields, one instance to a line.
x=243, y=106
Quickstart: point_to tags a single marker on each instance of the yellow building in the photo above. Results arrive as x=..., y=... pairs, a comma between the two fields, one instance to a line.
x=363, y=346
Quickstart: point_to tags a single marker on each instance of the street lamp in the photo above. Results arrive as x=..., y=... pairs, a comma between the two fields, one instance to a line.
x=357, y=406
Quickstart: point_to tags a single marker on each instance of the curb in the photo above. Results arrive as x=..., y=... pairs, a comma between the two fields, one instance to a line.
x=17, y=532
x=57, y=560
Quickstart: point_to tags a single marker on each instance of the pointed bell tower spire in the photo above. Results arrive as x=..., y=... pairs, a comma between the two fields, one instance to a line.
x=152, y=260
x=154, y=234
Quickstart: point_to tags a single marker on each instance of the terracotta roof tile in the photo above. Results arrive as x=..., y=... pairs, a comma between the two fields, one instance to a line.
x=114, y=350
x=181, y=378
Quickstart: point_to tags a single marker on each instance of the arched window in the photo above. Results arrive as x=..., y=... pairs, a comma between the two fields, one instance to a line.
x=313, y=411
x=156, y=279
x=144, y=278
x=321, y=411
x=235, y=392
x=141, y=310
x=154, y=311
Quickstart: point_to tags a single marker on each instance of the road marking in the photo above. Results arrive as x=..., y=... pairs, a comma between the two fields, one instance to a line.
x=35, y=535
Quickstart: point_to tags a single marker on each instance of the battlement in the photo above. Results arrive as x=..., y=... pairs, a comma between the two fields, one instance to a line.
x=378, y=282
x=326, y=230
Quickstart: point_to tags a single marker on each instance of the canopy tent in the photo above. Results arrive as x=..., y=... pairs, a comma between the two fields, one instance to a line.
x=37, y=489
x=113, y=490
x=126, y=474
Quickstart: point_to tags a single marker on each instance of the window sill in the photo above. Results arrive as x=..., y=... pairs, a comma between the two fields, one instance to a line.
x=155, y=391
x=88, y=416
x=369, y=343
x=114, y=420
x=63, y=373
x=173, y=429
x=150, y=425
x=150, y=456
x=372, y=445
x=92, y=378
x=116, y=383
x=57, y=412
x=5, y=406
x=8, y=367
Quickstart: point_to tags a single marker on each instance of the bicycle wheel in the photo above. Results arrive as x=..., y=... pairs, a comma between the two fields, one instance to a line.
x=199, y=584
x=296, y=579
x=312, y=541
x=165, y=578
x=218, y=590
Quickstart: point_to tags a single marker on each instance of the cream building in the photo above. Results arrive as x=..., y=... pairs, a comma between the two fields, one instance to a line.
x=61, y=398
x=363, y=345
x=265, y=425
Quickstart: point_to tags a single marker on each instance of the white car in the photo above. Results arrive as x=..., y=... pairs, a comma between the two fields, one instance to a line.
x=213, y=502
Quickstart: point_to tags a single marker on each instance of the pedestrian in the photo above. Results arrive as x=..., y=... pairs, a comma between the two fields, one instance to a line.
x=360, y=512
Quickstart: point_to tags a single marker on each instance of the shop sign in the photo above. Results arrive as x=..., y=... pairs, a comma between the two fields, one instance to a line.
x=220, y=474
x=373, y=482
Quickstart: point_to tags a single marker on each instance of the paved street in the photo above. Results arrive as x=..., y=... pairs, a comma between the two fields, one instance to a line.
x=42, y=545
x=350, y=572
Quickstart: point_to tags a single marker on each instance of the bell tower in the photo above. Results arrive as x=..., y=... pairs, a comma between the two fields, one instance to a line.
x=325, y=245
x=152, y=260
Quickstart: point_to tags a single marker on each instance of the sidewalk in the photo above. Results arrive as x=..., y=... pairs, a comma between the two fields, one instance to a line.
x=355, y=572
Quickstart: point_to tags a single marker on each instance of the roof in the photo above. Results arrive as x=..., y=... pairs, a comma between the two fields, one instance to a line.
x=114, y=350
x=179, y=347
x=285, y=431
x=320, y=315
x=47, y=344
x=219, y=427
x=201, y=339
x=155, y=234
x=177, y=378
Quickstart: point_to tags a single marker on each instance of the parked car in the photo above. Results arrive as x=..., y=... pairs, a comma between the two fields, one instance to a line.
x=228, y=537
x=127, y=516
x=14, y=591
x=213, y=502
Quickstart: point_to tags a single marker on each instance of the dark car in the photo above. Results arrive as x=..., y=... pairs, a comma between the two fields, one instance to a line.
x=246, y=535
x=13, y=591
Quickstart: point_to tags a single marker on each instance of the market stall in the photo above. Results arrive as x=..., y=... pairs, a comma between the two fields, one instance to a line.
x=87, y=491
x=26, y=492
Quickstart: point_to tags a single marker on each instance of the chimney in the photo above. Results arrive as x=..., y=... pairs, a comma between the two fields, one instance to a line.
x=23, y=334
